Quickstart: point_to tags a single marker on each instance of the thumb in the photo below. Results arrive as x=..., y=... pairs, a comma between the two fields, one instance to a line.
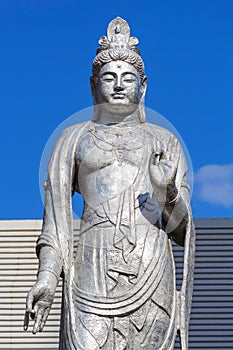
x=29, y=301
x=153, y=159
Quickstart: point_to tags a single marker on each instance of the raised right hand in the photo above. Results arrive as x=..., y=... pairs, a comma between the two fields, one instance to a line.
x=163, y=168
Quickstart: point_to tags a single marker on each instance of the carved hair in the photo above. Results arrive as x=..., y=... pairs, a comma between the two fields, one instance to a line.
x=125, y=55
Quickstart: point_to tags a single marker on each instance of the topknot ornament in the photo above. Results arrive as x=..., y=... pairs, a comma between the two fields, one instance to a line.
x=118, y=37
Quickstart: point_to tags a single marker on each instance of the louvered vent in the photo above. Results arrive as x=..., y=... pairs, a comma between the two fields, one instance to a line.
x=211, y=325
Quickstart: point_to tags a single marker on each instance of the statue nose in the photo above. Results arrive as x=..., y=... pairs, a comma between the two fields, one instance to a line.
x=119, y=86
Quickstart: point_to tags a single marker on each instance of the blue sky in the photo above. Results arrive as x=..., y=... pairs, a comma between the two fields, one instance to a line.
x=47, y=48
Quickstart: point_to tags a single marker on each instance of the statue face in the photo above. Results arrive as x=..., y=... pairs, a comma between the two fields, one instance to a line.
x=119, y=88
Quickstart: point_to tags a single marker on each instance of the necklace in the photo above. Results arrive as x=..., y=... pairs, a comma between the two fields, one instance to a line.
x=118, y=140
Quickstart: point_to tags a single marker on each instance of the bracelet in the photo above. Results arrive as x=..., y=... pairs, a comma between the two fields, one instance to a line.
x=173, y=200
x=49, y=270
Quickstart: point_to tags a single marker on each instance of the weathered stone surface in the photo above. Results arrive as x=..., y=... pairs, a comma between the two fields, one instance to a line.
x=119, y=291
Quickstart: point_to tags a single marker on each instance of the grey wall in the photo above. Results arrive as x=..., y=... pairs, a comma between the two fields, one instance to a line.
x=211, y=325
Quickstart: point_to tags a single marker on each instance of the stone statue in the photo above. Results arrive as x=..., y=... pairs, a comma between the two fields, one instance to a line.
x=119, y=291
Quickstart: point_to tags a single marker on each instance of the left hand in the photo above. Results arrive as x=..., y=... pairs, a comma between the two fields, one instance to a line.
x=163, y=168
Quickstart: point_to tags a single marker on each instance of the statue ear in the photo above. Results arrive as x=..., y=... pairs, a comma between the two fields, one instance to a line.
x=93, y=83
x=143, y=88
x=142, y=114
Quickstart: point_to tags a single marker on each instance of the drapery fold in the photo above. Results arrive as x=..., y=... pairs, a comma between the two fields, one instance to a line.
x=57, y=232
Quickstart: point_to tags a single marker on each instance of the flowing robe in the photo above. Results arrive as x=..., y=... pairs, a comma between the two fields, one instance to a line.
x=119, y=291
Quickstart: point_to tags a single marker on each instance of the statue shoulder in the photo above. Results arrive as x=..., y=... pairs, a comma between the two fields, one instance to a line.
x=75, y=129
x=159, y=132
x=70, y=136
x=72, y=133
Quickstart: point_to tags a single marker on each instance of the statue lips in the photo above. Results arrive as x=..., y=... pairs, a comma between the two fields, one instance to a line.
x=118, y=95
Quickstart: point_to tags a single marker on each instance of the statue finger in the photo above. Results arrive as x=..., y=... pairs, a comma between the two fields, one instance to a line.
x=159, y=149
x=29, y=302
x=174, y=153
x=175, y=145
x=177, y=153
x=157, y=145
x=26, y=321
x=39, y=312
x=171, y=147
x=44, y=319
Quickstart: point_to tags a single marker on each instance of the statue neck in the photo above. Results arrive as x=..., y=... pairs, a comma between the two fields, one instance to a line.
x=111, y=119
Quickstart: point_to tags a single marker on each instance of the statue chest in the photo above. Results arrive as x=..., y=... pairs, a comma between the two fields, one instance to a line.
x=108, y=164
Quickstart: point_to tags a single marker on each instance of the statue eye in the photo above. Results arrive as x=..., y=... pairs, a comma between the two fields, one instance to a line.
x=108, y=78
x=129, y=78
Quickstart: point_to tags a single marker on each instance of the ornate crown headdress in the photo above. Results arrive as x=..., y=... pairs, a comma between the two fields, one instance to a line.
x=118, y=37
x=118, y=45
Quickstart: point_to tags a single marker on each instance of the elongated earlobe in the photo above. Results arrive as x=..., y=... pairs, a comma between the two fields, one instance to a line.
x=144, y=87
x=93, y=83
x=142, y=114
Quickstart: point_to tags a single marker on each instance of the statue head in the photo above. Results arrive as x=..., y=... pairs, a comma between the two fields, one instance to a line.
x=119, y=66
